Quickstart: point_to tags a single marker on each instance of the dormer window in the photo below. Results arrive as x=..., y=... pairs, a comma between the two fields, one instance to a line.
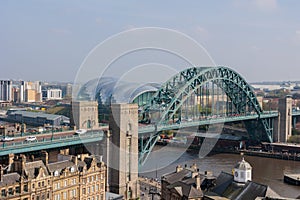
x=56, y=173
x=72, y=169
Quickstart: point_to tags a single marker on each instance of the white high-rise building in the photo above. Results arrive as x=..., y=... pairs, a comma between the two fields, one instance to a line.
x=52, y=94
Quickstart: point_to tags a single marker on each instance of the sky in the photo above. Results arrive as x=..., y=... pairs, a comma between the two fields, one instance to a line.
x=48, y=40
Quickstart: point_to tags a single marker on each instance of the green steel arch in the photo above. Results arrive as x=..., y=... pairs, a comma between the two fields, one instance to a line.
x=173, y=93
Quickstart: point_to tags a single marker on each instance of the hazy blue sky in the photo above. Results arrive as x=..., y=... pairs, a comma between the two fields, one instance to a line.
x=48, y=40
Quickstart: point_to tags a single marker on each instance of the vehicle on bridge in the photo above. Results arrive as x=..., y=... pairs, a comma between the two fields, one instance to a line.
x=30, y=139
x=80, y=131
x=7, y=139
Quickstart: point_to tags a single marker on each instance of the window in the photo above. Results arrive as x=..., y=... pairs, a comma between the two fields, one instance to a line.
x=3, y=193
x=43, y=183
x=56, y=173
x=242, y=174
x=97, y=187
x=88, y=179
x=66, y=183
x=73, y=193
x=96, y=177
x=18, y=189
x=39, y=184
x=83, y=191
x=26, y=188
x=57, y=185
x=10, y=191
x=65, y=195
x=93, y=188
x=74, y=181
x=88, y=190
x=72, y=169
x=33, y=186
x=92, y=178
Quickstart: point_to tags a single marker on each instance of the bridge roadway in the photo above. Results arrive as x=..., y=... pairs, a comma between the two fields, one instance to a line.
x=211, y=120
x=46, y=141
x=67, y=138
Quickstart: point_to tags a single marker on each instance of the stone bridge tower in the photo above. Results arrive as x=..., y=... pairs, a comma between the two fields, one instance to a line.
x=123, y=166
x=283, y=125
x=84, y=114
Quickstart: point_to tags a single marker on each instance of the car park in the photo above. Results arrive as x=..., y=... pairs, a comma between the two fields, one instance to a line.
x=7, y=139
x=30, y=139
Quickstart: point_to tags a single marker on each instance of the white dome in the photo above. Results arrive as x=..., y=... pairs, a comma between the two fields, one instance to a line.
x=243, y=165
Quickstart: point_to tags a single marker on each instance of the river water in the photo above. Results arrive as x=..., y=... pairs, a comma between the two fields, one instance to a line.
x=266, y=171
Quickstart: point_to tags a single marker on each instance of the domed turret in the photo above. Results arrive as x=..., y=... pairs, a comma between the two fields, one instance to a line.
x=242, y=172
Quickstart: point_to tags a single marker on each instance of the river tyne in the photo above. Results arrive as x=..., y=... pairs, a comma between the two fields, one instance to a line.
x=266, y=171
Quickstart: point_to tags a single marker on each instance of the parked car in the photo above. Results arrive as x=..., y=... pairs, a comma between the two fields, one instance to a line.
x=30, y=139
x=7, y=139
x=80, y=131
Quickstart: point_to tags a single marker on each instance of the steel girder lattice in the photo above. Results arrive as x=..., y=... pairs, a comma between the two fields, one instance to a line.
x=171, y=96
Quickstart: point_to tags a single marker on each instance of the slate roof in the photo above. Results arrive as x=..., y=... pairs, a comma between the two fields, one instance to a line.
x=9, y=179
x=252, y=190
x=186, y=190
x=37, y=114
x=226, y=187
x=176, y=176
x=59, y=166
x=32, y=167
x=222, y=182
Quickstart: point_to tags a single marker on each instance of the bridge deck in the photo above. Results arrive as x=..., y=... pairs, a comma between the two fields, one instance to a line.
x=207, y=121
x=48, y=143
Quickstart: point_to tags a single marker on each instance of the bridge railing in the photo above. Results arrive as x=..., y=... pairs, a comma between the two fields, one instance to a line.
x=204, y=121
x=58, y=139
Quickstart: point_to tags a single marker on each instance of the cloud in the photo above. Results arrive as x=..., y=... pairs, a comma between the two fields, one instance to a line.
x=60, y=31
x=130, y=26
x=266, y=5
x=98, y=20
x=296, y=37
x=202, y=32
x=261, y=5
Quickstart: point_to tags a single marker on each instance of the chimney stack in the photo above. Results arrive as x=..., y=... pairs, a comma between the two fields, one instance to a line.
x=178, y=168
x=45, y=157
x=10, y=159
x=1, y=173
x=198, y=182
x=74, y=159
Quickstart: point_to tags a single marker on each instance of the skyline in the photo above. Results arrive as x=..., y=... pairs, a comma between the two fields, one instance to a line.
x=49, y=40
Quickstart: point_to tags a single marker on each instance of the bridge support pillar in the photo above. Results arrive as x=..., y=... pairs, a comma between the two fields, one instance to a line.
x=123, y=153
x=283, y=125
x=84, y=114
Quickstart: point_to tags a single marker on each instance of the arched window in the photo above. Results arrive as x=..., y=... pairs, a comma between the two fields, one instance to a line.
x=56, y=173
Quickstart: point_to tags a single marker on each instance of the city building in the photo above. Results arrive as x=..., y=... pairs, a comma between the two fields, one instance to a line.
x=37, y=118
x=5, y=90
x=52, y=94
x=188, y=183
x=10, y=129
x=79, y=177
x=30, y=91
x=185, y=183
x=239, y=185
